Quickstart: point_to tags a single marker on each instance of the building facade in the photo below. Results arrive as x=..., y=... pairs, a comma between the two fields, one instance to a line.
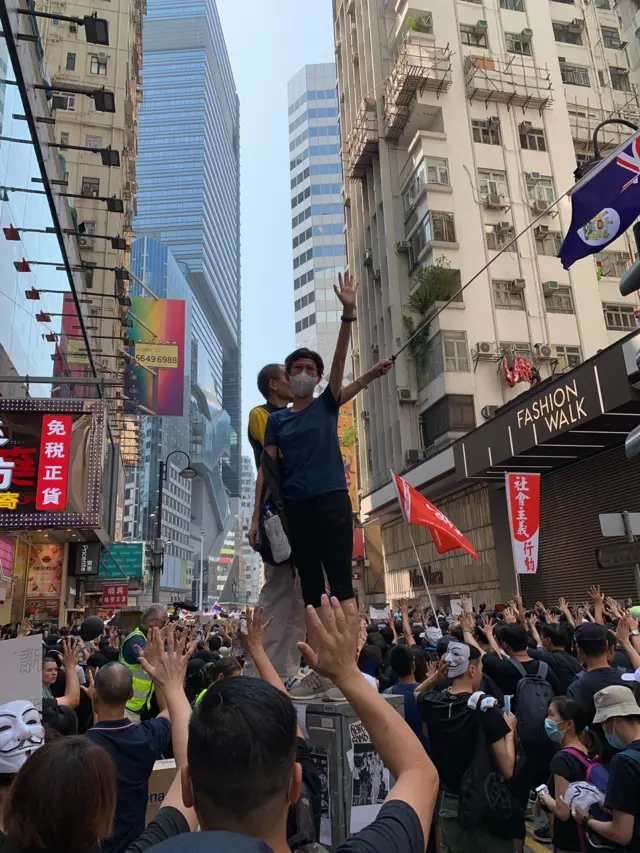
x=461, y=123
x=253, y=569
x=317, y=222
x=189, y=196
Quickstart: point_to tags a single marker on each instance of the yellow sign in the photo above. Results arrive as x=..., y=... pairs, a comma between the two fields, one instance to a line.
x=76, y=352
x=157, y=355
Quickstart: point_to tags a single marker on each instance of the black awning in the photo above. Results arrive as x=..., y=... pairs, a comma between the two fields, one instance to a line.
x=577, y=414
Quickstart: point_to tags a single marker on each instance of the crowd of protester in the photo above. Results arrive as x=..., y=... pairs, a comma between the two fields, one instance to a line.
x=509, y=715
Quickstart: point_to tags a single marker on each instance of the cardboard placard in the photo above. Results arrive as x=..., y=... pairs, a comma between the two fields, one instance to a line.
x=162, y=775
x=21, y=668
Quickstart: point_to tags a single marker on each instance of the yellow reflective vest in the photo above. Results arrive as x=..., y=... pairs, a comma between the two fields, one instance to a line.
x=143, y=686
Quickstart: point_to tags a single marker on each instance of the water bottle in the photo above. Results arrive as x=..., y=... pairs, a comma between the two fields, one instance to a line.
x=280, y=548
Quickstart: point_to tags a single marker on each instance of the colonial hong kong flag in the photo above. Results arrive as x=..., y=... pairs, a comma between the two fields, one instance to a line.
x=418, y=510
x=604, y=203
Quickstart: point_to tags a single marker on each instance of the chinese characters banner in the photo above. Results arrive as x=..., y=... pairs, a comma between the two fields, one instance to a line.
x=53, y=470
x=115, y=595
x=523, y=503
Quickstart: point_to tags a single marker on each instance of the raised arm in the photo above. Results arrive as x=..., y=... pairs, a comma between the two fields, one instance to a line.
x=346, y=291
x=71, y=696
x=362, y=382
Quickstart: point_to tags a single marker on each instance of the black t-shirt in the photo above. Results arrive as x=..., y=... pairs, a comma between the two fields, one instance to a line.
x=623, y=791
x=397, y=829
x=563, y=763
x=564, y=666
x=506, y=676
x=453, y=732
x=585, y=688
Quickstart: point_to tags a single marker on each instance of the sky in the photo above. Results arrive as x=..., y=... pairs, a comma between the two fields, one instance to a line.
x=268, y=44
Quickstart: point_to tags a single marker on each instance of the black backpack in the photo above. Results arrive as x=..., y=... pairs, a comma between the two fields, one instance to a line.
x=485, y=798
x=533, y=695
x=273, y=496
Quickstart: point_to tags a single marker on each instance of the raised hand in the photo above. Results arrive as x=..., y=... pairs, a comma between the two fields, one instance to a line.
x=256, y=628
x=347, y=291
x=509, y=616
x=169, y=665
x=596, y=595
x=69, y=654
x=335, y=637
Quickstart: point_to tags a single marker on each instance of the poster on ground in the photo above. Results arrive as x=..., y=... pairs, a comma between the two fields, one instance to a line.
x=371, y=781
x=321, y=760
x=523, y=504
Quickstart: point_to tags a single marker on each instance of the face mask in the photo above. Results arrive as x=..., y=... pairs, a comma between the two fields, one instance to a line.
x=613, y=740
x=303, y=385
x=21, y=734
x=552, y=730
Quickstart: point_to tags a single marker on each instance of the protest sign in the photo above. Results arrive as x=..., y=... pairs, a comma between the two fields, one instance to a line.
x=21, y=668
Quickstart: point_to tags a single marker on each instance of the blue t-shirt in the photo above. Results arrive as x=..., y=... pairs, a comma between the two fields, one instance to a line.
x=134, y=747
x=411, y=713
x=308, y=440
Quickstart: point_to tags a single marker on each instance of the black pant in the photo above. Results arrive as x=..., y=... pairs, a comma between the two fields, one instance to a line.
x=321, y=534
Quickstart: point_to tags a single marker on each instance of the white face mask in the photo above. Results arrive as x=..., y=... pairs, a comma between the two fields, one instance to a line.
x=21, y=733
x=303, y=385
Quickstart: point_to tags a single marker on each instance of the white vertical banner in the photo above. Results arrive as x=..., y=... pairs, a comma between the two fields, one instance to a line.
x=523, y=504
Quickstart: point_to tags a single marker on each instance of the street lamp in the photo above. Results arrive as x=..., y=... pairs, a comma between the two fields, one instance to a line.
x=202, y=535
x=187, y=473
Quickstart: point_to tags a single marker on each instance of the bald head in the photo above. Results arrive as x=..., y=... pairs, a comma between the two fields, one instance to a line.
x=114, y=684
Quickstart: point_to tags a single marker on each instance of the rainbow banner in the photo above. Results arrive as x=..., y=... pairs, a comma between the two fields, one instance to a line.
x=158, y=335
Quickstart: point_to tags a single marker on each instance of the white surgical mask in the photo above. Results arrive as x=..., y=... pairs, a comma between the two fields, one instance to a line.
x=303, y=385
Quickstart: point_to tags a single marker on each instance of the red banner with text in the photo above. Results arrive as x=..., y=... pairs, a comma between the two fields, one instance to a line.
x=115, y=595
x=53, y=470
x=523, y=503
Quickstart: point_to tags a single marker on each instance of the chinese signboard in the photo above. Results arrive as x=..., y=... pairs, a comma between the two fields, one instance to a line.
x=84, y=558
x=115, y=595
x=122, y=560
x=523, y=503
x=51, y=463
x=53, y=471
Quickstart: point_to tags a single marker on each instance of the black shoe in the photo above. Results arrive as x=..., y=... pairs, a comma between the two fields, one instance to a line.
x=542, y=834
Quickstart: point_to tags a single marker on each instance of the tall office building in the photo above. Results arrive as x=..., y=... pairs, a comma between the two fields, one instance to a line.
x=316, y=206
x=462, y=121
x=189, y=201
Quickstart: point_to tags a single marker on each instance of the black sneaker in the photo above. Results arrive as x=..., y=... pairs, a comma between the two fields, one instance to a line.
x=542, y=833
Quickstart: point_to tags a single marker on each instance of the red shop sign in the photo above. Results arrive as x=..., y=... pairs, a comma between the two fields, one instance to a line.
x=53, y=468
x=115, y=595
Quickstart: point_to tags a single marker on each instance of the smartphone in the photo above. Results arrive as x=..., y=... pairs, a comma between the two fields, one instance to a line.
x=542, y=789
x=507, y=704
x=243, y=625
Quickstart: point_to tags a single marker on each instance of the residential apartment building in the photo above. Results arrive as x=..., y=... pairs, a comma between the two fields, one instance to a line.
x=317, y=212
x=104, y=239
x=461, y=123
x=253, y=569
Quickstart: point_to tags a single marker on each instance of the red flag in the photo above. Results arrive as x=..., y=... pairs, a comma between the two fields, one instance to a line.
x=418, y=510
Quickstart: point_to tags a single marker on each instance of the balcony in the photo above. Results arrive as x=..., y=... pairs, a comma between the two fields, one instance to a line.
x=514, y=81
x=363, y=141
x=419, y=66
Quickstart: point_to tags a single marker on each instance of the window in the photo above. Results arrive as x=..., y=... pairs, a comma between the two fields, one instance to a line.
x=497, y=236
x=560, y=301
x=612, y=264
x=446, y=351
x=64, y=102
x=549, y=243
x=476, y=37
x=574, y=75
x=619, y=318
x=492, y=183
x=516, y=44
x=513, y=5
x=89, y=228
x=71, y=62
x=506, y=296
x=567, y=33
x=540, y=188
x=454, y=412
x=93, y=141
x=517, y=350
x=568, y=356
x=437, y=171
x=603, y=4
x=98, y=65
x=611, y=37
x=619, y=79
x=486, y=131
x=430, y=170
x=64, y=139
x=90, y=187
x=434, y=227
x=532, y=138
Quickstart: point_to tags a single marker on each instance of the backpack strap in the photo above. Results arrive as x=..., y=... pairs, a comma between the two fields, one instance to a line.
x=582, y=758
x=518, y=666
x=543, y=669
x=632, y=753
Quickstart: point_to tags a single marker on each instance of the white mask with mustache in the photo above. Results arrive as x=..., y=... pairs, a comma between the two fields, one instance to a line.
x=21, y=733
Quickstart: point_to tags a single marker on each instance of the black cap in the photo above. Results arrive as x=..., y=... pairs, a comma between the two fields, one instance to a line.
x=591, y=638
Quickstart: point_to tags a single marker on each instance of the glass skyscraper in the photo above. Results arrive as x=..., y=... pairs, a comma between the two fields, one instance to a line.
x=189, y=185
x=317, y=210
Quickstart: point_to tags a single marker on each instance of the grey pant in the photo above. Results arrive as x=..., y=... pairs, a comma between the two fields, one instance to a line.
x=281, y=598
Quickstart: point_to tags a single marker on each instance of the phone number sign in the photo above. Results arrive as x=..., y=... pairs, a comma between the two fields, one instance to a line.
x=157, y=355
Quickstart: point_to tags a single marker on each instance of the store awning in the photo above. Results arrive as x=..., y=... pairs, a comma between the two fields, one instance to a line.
x=577, y=414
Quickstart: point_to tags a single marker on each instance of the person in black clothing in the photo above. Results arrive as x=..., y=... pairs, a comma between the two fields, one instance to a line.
x=564, y=725
x=554, y=640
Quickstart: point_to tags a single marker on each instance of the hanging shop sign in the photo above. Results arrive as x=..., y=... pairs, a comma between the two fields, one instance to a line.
x=115, y=595
x=122, y=560
x=84, y=559
x=157, y=355
x=51, y=459
x=523, y=504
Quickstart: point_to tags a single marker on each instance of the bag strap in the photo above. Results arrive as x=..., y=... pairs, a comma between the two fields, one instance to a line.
x=518, y=666
x=582, y=758
x=632, y=753
x=543, y=669
x=272, y=479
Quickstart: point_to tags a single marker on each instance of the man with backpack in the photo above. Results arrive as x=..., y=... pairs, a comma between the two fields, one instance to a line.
x=469, y=736
x=618, y=713
x=552, y=649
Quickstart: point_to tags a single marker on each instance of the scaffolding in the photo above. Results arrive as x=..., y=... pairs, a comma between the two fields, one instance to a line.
x=513, y=80
x=584, y=117
x=363, y=140
x=419, y=66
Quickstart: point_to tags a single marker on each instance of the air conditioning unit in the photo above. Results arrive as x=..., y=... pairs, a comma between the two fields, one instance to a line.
x=503, y=227
x=549, y=287
x=534, y=176
x=481, y=26
x=405, y=395
x=526, y=34
x=368, y=258
x=539, y=205
x=402, y=246
x=525, y=126
x=412, y=456
x=543, y=351
x=494, y=201
x=86, y=242
x=540, y=231
x=518, y=284
x=364, y=415
x=488, y=412
x=484, y=348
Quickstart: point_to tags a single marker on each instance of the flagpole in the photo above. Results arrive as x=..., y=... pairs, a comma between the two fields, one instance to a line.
x=426, y=585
